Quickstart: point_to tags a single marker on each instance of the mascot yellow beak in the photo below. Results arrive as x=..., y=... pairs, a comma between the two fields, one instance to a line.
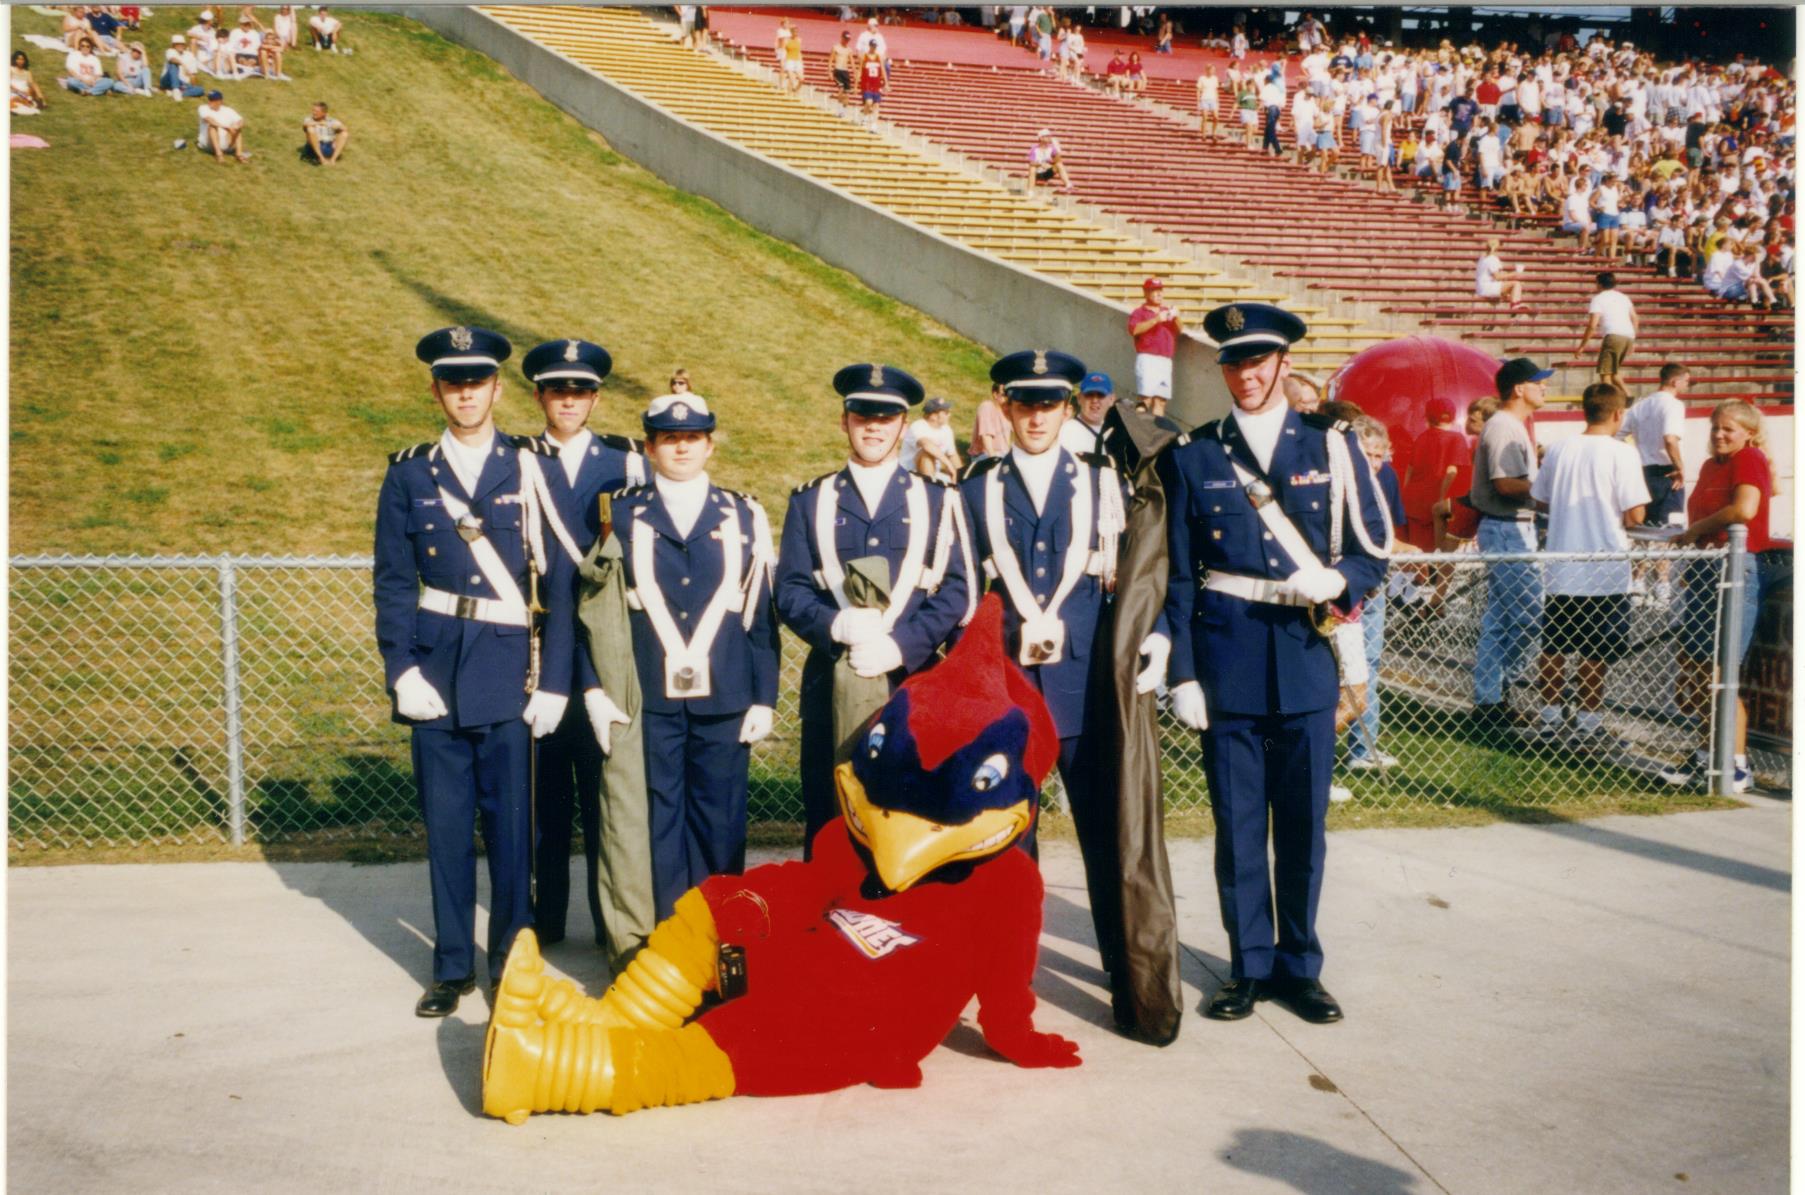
x=905, y=847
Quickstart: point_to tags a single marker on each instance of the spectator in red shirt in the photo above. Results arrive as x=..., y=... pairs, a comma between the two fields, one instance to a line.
x=1734, y=486
x=1155, y=328
x=1117, y=73
x=1437, y=460
x=1488, y=94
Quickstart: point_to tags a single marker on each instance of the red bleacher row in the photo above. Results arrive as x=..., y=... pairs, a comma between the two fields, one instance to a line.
x=1344, y=237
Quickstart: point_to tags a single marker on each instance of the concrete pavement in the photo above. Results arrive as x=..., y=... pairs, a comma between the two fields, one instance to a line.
x=1597, y=1007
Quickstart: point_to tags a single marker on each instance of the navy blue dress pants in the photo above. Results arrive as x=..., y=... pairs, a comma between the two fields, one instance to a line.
x=1269, y=775
x=568, y=786
x=696, y=778
x=478, y=772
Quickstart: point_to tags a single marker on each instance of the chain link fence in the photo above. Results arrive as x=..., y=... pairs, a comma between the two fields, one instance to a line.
x=203, y=700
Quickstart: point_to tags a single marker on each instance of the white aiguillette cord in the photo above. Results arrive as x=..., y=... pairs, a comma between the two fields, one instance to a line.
x=693, y=654
x=908, y=574
x=1038, y=625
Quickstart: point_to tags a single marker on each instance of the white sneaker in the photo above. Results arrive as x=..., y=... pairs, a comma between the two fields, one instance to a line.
x=1338, y=794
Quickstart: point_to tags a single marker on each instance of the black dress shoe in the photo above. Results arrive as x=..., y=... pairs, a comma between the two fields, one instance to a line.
x=1307, y=998
x=1234, y=1000
x=550, y=937
x=441, y=999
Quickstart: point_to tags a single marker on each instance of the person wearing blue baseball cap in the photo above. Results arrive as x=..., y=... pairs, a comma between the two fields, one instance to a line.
x=1276, y=533
x=1046, y=525
x=465, y=558
x=1504, y=470
x=567, y=377
x=874, y=574
x=697, y=561
x=1084, y=433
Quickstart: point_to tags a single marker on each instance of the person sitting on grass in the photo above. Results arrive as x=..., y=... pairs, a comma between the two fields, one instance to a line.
x=244, y=47
x=222, y=129
x=325, y=28
x=327, y=137
x=179, y=70
x=269, y=56
x=132, y=69
x=27, y=100
x=1046, y=163
x=84, y=74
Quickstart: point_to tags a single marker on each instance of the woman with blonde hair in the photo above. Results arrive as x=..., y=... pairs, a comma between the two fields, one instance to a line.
x=1734, y=486
x=1489, y=283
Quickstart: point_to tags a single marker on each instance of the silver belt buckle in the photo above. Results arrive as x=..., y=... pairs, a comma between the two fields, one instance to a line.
x=1259, y=493
x=470, y=528
x=467, y=606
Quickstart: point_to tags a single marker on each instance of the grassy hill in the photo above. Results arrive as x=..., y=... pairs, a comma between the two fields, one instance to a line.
x=214, y=357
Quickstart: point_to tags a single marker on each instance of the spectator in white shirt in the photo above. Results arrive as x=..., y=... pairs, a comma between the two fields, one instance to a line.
x=325, y=29
x=1489, y=283
x=1592, y=488
x=84, y=76
x=1096, y=394
x=928, y=445
x=179, y=70
x=1657, y=423
x=1612, y=317
x=222, y=129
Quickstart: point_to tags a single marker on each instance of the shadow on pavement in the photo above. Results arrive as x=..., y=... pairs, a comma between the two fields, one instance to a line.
x=461, y=1058
x=404, y=933
x=1307, y=1164
x=1662, y=852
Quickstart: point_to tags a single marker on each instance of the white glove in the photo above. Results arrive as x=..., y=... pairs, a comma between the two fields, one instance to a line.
x=1158, y=649
x=603, y=715
x=415, y=698
x=543, y=712
x=1188, y=707
x=855, y=624
x=1315, y=584
x=875, y=656
x=757, y=724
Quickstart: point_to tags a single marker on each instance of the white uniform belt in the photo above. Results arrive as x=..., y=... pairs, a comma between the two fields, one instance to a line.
x=1253, y=589
x=478, y=609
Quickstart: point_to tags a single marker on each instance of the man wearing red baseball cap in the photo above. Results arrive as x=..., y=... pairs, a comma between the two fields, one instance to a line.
x=1155, y=329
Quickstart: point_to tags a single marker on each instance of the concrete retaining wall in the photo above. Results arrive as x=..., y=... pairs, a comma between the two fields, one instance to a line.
x=996, y=304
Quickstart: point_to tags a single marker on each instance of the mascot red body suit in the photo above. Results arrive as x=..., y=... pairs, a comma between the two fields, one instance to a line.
x=854, y=965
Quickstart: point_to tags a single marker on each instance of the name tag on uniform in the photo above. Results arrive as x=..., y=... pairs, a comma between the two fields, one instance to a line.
x=1219, y=485
x=1314, y=477
x=505, y=499
x=429, y=502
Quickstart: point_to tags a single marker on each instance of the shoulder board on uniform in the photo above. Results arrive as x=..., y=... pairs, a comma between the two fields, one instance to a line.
x=1183, y=439
x=631, y=491
x=936, y=480
x=979, y=468
x=1098, y=460
x=539, y=444
x=812, y=482
x=742, y=495
x=395, y=458
x=1327, y=423
x=622, y=443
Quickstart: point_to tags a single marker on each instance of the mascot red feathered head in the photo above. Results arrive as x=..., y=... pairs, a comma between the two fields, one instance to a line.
x=949, y=770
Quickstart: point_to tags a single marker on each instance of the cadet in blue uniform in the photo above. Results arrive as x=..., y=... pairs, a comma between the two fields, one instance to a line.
x=460, y=525
x=1045, y=524
x=698, y=561
x=1274, y=525
x=871, y=508
x=567, y=377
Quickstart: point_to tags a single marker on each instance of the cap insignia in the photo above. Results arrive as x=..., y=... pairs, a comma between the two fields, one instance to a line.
x=461, y=340
x=680, y=410
x=1234, y=320
x=1040, y=362
x=570, y=350
x=877, y=376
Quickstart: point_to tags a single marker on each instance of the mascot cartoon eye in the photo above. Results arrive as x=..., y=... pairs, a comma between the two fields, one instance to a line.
x=874, y=740
x=990, y=773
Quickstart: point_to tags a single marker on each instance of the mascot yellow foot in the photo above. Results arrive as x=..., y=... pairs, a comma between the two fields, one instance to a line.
x=552, y=1049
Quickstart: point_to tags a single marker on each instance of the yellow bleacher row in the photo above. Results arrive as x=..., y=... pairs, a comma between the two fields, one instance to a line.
x=625, y=46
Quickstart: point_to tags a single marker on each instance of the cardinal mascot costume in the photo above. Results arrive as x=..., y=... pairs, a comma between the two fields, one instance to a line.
x=846, y=969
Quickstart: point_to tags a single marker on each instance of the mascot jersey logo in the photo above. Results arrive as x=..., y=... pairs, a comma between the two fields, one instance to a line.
x=873, y=936
x=943, y=781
